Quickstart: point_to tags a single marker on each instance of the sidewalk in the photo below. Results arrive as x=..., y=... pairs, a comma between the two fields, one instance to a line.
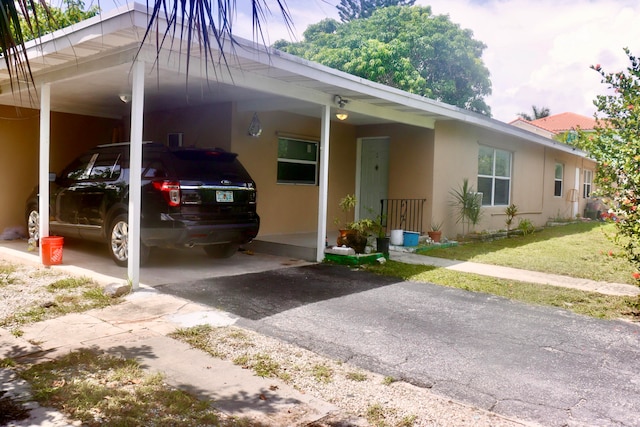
x=509, y=273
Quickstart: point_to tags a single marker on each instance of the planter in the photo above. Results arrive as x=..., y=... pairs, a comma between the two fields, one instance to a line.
x=382, y=245
x=435, y=235
x=343, y=237
x=357, y=241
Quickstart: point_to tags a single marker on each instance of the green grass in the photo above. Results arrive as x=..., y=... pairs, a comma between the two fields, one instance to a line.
x=99, y=389
x=581, y=302
x=583, y=250
x=6, y=272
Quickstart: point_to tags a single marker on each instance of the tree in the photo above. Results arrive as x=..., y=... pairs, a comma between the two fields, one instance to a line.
x=407, y=48
x=356, y=9
x=615, y=145
x=53, y=18
x=538, y=113
x=209, y=22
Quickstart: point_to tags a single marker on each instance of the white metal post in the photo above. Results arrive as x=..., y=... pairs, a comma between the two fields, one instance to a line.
x=135, y=172
x=324, y=181
x=45, y=145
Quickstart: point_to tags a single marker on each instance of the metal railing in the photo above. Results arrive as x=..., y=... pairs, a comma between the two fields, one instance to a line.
x=404, y=214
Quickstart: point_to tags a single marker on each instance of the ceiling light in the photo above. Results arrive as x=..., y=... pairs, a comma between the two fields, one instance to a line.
x=125, y=97
x=341, y=102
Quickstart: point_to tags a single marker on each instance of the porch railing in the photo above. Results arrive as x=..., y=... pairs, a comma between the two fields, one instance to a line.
x=404, y=214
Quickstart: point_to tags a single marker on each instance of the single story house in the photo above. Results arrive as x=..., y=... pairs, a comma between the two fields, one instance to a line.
x=392, y=146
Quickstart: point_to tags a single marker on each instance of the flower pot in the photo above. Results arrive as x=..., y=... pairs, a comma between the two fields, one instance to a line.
x=435, y=235
x=357, y=241
x=382, y=245
x=343, y=237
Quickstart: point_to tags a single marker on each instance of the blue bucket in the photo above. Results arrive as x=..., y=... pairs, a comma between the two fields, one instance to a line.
x=411, y=238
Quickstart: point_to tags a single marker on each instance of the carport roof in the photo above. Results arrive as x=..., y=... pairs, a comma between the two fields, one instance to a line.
x=88, y=66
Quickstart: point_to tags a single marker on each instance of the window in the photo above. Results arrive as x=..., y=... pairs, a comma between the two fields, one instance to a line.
x=557, y=183
x=587, y=181
x=297, y=161
x=494, y=176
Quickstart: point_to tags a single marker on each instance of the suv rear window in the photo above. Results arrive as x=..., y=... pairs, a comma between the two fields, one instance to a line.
x=211, y=165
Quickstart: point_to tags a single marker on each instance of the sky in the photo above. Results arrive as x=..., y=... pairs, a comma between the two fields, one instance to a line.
x=538, y=52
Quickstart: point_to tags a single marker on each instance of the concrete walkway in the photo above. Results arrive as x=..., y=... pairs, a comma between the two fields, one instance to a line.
x=509, y=273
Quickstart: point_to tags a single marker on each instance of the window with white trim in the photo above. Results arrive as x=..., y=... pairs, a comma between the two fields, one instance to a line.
x=587, y=183
x=558, y=180
x=494, y=176
x=297, y=161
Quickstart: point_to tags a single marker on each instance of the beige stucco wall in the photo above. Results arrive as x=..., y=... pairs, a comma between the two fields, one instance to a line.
x=285, y=208
x=532, y=181
x=19, y=142
x=201, y=126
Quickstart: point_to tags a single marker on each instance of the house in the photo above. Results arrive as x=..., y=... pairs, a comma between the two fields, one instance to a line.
x=558, y=126
x=392, y=145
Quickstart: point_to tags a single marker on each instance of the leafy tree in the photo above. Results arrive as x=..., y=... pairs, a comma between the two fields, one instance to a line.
x=209, y=22
x=356, y=9
x=53, y=18
x=407, y=48
x=615, y=145
x=538, y=113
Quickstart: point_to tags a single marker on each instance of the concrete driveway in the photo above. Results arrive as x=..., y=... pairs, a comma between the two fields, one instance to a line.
x=164, y=266
x=533, y=363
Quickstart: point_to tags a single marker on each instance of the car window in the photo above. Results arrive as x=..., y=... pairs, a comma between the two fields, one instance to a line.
x=105, y=167
x=209, y=165
x=154, y=169
x=80, y=168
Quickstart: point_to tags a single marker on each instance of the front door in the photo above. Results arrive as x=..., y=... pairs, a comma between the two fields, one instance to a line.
x=374, y=175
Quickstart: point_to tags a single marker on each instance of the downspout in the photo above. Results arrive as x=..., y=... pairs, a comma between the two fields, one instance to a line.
x=323, y=183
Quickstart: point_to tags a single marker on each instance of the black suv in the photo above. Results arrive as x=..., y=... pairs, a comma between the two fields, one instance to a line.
x=190, y=197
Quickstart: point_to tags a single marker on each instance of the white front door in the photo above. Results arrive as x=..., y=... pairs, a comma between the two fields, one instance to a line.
x=373, y=177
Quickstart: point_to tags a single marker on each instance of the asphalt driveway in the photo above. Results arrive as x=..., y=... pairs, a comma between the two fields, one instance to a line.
x=534, y=363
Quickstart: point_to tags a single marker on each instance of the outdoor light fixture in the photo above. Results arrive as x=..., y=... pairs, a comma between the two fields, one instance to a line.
x=125, y=97
x=341, y=102
x=255, y=127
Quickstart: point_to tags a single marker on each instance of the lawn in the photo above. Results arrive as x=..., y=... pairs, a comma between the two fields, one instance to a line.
x=585, y=250
x=582, y=250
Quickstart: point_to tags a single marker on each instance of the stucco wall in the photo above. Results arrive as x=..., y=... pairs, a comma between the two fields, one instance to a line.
x=19, y=142
x=285, y=208
x=532, y=179
x=201, y=126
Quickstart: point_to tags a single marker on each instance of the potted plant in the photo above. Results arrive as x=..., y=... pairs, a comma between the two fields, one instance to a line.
x=435, y=233
x=361, y=230
x=346, y=204
x=378, y=229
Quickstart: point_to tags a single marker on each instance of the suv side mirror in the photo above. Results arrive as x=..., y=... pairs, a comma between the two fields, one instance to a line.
x=52, y=177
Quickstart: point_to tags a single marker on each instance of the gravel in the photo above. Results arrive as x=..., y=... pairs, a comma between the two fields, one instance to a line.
x=364, y=398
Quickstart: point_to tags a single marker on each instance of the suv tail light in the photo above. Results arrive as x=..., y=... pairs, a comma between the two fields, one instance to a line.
x=170, y=190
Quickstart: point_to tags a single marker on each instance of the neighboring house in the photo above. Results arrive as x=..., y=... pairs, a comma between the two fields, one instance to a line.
x=561, y=127
x=392, y=145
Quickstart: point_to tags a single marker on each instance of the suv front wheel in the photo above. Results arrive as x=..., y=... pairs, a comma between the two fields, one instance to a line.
x=119, y=242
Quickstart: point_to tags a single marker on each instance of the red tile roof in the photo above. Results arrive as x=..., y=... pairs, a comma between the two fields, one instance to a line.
x=564, y=122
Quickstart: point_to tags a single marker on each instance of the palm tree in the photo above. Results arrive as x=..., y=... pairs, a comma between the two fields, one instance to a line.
x=210, y=22
x=538, y=113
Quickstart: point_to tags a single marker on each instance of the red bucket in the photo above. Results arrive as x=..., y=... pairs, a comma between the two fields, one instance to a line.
x=51, y=250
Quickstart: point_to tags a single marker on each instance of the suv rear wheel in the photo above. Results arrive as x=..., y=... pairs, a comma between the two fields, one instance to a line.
x=223, y=250
x=119, y=242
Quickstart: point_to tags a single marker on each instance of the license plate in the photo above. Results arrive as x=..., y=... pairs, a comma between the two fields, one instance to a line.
x=224, y=196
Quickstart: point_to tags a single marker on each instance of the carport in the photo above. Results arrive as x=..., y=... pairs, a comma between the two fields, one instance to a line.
x=96, y=65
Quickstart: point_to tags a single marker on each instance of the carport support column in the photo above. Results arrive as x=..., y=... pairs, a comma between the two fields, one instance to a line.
x=45, y=146
x=324, y=181
x=135, y=172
